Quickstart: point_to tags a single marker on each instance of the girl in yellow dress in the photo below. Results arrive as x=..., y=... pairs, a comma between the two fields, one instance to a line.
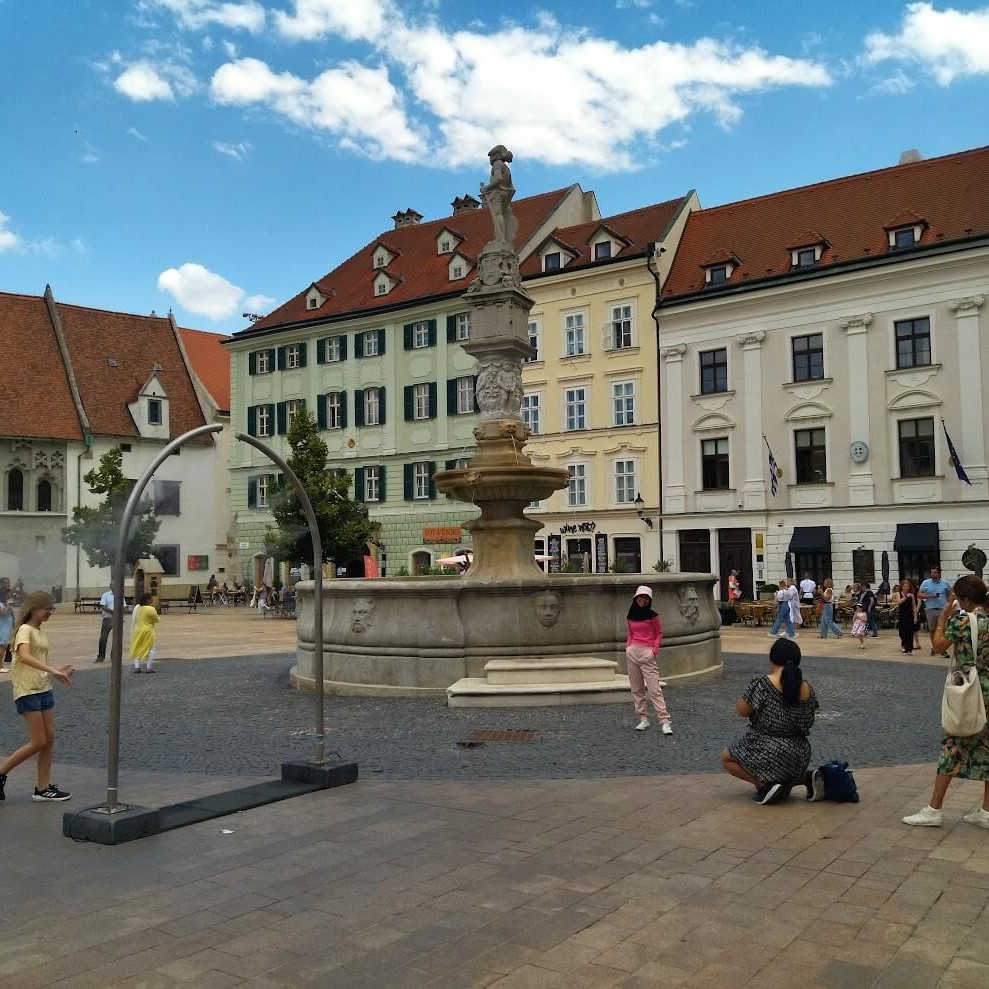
x=143, y=634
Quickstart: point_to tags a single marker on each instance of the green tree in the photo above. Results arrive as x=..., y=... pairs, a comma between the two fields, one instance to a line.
x=344, y=526
x=96, y=529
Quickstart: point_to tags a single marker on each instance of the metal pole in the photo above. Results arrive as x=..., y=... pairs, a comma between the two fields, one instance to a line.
x=317, y=549
x=116, y=649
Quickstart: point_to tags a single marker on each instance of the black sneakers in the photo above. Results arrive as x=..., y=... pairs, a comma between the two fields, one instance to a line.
x=51, y=793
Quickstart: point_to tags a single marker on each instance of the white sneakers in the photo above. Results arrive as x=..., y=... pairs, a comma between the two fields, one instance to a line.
x=667, y=728
x=642, y=725
x=979, y=817
x=926, y=817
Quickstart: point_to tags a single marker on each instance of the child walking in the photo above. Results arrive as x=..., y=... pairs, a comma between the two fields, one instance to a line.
x=645, y=634
x=34, y=698
x=860, y=623
x=144, y=634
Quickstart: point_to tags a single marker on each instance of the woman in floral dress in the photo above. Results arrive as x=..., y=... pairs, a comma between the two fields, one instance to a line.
x=965, y=757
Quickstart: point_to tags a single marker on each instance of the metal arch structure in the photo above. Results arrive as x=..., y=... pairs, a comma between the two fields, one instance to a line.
x=112, y=805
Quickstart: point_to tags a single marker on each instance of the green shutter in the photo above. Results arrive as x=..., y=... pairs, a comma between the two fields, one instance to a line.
x=281, y=358
x=432, y=478
x=381, y=483
x=407, y=472
x=343, y=410
x=381, y=343
x=407, y=337
x=321, y=351
x=321, y=411
x=302, y=354
x=359, y=407
x=252, y=492
x=359, y=484
x=451, y=397
x=280, y=418
x=432, y=333
x=252, y=362
x=381, y=403
x=451, y=329
x=359, y=345
x=473, y=390
x=271, y=359
x=407, y=403
x=252, y=420
x=343, y=348
x=432, y=400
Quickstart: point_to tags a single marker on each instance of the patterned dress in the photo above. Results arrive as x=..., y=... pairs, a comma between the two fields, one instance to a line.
x=968, y=757
x=775, y=749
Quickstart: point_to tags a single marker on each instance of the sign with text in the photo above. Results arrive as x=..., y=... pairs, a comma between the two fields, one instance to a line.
x=601, y=552
x=555, y=553
x=197, y=563
x=442, y=534
x=570, y=528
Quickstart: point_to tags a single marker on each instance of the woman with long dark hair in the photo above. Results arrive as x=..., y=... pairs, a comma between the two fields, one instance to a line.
x=774, y=752
x=907, y=607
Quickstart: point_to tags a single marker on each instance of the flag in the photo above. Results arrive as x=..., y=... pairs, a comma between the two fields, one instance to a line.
x=774, y=470
x=953, y=458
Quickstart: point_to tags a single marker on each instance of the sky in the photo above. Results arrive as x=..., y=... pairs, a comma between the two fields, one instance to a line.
x=214, y=157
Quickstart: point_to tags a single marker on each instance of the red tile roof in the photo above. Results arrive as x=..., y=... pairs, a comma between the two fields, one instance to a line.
x=638, y=228
x=136, y=343
x=211, y=362
x=418, y=270
x=35, y=398
x=951, y=193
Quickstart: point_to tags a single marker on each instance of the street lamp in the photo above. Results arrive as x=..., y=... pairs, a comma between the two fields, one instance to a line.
x=639, y=507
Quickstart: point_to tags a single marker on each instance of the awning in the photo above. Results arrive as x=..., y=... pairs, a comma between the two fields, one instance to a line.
x=916, y=537
x=810, y=539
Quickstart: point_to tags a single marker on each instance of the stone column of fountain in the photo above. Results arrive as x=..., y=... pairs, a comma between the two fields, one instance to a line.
x=500, y=479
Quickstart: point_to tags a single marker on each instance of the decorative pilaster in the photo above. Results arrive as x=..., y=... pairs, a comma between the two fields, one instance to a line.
x=754, y=490
x=972, y=448
x=861, y=485
x=675, y=493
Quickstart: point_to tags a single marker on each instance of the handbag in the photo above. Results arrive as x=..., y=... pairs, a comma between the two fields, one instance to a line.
x=832, y=781
x=963, y=709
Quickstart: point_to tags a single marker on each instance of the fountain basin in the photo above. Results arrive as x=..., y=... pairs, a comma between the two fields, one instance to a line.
x=416, y=637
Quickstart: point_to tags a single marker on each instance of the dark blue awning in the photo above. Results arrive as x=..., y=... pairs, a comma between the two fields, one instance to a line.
x=917, y=537
x=810, y=539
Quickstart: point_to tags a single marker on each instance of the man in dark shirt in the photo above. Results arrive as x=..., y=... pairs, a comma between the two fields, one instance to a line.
x=867, y=599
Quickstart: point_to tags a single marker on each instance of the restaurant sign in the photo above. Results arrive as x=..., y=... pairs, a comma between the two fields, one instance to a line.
x=442, y=534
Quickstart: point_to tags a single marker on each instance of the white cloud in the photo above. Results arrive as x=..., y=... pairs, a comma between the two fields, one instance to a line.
x=136, y=134
x=947, y=43
x=355, y=20
x=236, y=151
x=9, y=241
x=90, y=156
x=206, y=293
x=144, y=81
x=80, y=247
x=246, y=15
x=895, y=84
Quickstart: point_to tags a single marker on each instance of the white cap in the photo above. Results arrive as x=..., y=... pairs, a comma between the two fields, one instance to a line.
x=642, y=589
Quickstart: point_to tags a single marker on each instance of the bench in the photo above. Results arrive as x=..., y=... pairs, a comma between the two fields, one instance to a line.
x=86, y=604
x=192, y=602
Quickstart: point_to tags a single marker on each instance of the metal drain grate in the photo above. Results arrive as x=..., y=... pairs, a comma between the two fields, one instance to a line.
x=512, y=735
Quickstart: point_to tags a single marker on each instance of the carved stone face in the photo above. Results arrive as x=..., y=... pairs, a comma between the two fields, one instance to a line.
x=362, y=615
x=548, y=606
x=688, y=603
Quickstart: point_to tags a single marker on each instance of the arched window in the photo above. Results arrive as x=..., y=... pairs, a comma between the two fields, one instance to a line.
x=15, y=491
x=44, y=496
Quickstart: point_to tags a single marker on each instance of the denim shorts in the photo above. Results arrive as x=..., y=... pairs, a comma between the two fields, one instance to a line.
x=35, y=702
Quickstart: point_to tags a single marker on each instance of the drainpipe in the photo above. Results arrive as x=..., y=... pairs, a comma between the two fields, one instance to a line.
x=86, y=454
x=650, y=258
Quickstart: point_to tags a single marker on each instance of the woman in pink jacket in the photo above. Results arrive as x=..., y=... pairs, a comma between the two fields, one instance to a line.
x=641, y=648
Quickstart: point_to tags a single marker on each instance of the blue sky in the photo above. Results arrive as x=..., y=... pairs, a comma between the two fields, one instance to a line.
x=216, y=156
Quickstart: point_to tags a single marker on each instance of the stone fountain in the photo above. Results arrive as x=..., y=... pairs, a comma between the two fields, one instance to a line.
x=504, y=633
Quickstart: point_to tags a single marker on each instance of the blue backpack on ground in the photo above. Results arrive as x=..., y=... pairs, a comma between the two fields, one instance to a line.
x=832, y=781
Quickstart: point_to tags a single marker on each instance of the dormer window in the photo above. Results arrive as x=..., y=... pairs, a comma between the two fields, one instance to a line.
x=602, y=250
x=551, y=261
x=380, y=261
x=154, y=412
x=457, y=271
x=381, y=288
x=718, y=274
x=383, y=284
x=904, y=237
x=905, y=230
x=447, y=241
x=314, y=298
x=445, y=246
x=382, y=257
x=312, y=302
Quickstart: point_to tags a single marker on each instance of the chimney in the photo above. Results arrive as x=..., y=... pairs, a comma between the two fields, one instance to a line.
x=909, y=156
x=464, y=204
x=407, y=219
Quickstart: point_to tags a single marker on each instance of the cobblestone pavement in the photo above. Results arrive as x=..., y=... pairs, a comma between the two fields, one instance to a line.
x=238, y=716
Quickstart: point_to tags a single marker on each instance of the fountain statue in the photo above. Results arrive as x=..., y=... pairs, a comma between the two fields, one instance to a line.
x=503, y=633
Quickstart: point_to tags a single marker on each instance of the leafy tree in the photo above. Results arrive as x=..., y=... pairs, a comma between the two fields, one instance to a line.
x=344, y=526
x=96, y=529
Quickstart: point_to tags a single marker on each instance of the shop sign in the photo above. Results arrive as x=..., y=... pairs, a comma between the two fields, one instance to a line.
x=601, y=552
x=572, y=527
x=442, y=534
x=555, y=553
x=197, y=563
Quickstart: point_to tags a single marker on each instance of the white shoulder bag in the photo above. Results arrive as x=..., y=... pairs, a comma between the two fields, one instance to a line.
x=963, y=710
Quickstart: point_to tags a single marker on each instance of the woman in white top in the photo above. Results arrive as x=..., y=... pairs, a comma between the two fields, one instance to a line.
x=827, y=610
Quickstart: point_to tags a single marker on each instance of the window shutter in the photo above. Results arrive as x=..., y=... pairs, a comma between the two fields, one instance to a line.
x=359, y=407
x=281, y=358
x=302, y=354
x=321, y=411
x=252, y=420
x=407, y=402
x=381, y=342
x=252, y=362
x=432, y=400
x=432, y=333
x=450, y=464
x=343, y=348
x=381, y=404
x=381, y=484
x=432, y=478
x=359, y=484
x=358, y=346
x=451, y=397
x=407, y=472
x=343, y=410
x=321, y=351
x=407, y=336
x=252, y=492
x=473, y=390
x=280, y=417
x=451, y=329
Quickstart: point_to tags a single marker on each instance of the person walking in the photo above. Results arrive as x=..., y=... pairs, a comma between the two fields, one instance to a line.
x=867, y=599
x=645, y=635
x=934, y=593
x=774, y=753
x=827, y=610
x=734, y=588
x=860, y=621
x=6, y=629
x=907, y=608
x=106, y=623
x=34, y=698
x=965, y=757
x=808, y=590
x=144, y=634
x=793, y=596
x=783, y=615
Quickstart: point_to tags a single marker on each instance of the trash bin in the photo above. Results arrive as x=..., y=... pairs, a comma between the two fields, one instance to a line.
x=57, y=594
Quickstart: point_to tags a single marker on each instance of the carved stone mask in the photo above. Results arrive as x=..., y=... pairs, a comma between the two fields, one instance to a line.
x=547, y=605
x=362, y=615
x=688, y=603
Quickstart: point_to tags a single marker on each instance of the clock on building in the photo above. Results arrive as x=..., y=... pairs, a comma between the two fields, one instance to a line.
x=859, y=451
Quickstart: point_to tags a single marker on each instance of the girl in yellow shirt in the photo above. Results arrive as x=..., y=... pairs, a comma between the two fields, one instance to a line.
x=143, y=635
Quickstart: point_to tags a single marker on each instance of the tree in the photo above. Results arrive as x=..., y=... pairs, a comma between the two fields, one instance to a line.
x=344, y=526
x=96, y=529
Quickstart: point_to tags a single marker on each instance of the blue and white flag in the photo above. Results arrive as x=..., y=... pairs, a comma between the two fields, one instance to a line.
x=774, y=470
x=953, y=457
